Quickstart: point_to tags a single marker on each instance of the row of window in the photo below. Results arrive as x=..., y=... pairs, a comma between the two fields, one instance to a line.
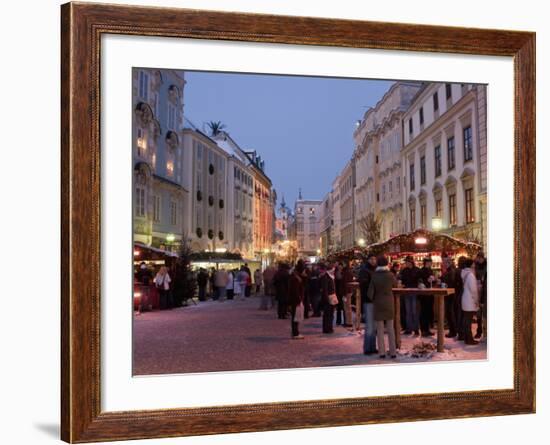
x=451, y=161
x=468, y=210
x=140, y=209
x=435, y=100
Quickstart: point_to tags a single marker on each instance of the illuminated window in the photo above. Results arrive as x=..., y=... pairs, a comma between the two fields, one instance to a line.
x=170, y=168
x=141, y=142
x=438, y=207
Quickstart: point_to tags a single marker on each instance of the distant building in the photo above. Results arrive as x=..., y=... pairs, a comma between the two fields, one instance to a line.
x=348, y=233
x=307, y=226
x=326, y=225
x=159, y=194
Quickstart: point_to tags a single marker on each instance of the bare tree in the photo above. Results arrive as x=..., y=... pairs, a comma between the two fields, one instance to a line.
x=370, y=227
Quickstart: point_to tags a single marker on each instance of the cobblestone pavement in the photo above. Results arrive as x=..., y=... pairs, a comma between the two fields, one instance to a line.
x=236, y=335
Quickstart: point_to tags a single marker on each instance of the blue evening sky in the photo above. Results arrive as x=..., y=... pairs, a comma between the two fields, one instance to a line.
x=301, y=126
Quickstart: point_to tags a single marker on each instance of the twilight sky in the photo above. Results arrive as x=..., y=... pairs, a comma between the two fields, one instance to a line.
x=301, y=126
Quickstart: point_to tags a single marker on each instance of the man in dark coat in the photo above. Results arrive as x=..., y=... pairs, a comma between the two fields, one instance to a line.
x=410, y=274
x=481, y=275
x=426, y=301
x=280, y=282
x=449, y=278
x=248, y=287
x=365, y=275
x=202, y=281
x=296, y=287
x=326, y=287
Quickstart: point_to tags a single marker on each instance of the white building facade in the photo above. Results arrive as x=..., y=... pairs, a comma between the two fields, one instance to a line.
x=444, y=160
x=307, y=226
x=378, y=139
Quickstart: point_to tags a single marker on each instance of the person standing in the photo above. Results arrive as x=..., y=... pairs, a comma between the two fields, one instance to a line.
x=258, y=281
x=365, y=274
x=481, y=275
x=339, y=283
x=296, y=286
x=243, y=278
x=347, y=279
x=280, y=281
x=409, y=277
x=229, y=288
x=449, y=279
x=268, y=275
x=459, y=288
x=162, y=282
x=220, y=282
x=315, y=291
x=470, y=300
x=426, y=301
x=381, y=293
x=326, y=288
x=248, y=286
x=202, y=282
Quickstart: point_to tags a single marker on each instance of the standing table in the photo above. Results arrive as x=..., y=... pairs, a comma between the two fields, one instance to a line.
x=439, y=294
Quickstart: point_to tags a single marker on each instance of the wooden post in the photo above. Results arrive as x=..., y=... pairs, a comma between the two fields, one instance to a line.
x=440, y=322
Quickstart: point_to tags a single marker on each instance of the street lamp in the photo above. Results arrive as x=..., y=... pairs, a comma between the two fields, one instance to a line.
x=361, y=242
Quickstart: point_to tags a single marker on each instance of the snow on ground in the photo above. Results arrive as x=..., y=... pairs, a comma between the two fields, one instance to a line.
x=236, y=335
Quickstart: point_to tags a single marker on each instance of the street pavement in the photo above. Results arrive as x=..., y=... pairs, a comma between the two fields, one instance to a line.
x=235, y=335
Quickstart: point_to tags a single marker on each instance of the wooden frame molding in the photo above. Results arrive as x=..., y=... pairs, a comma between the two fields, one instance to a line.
x=81, y=28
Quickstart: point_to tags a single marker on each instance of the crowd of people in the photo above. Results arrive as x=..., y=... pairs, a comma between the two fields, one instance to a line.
x=325, y=290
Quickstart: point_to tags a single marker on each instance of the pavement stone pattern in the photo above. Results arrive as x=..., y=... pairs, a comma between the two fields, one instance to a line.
x=235, y=335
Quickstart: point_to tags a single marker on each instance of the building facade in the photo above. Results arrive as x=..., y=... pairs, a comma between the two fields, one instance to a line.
x=347, y=205
x=444, y=160
x=157, y=153
x=378, y=139
x=307, y=226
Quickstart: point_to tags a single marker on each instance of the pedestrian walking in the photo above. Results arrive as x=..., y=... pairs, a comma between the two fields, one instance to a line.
x=162, y=282
x=365, y=275
x=381, y=293
x=280, y=281
x=329, y=299
x=268, y=275
x=296, y=286
x=409, y=278
x=470, y=300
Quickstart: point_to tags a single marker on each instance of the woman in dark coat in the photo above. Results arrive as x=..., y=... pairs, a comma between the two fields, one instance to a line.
x=381, y=293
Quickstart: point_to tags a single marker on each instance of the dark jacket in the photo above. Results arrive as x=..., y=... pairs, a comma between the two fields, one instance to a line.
x=449, y=277
x=202, y=278
x=326, y=286
x=347, y=278
x=296, y=286
x=280, y=281
x=425, y=273
x=365, y=274
x=410, y=276
x=381, y=294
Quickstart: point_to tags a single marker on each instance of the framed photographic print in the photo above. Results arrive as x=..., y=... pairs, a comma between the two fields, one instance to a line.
x=276, y=222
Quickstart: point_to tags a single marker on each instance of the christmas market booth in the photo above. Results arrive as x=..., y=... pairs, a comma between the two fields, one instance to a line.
x=423, y=243
x=222, y=260
x=147, y=261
